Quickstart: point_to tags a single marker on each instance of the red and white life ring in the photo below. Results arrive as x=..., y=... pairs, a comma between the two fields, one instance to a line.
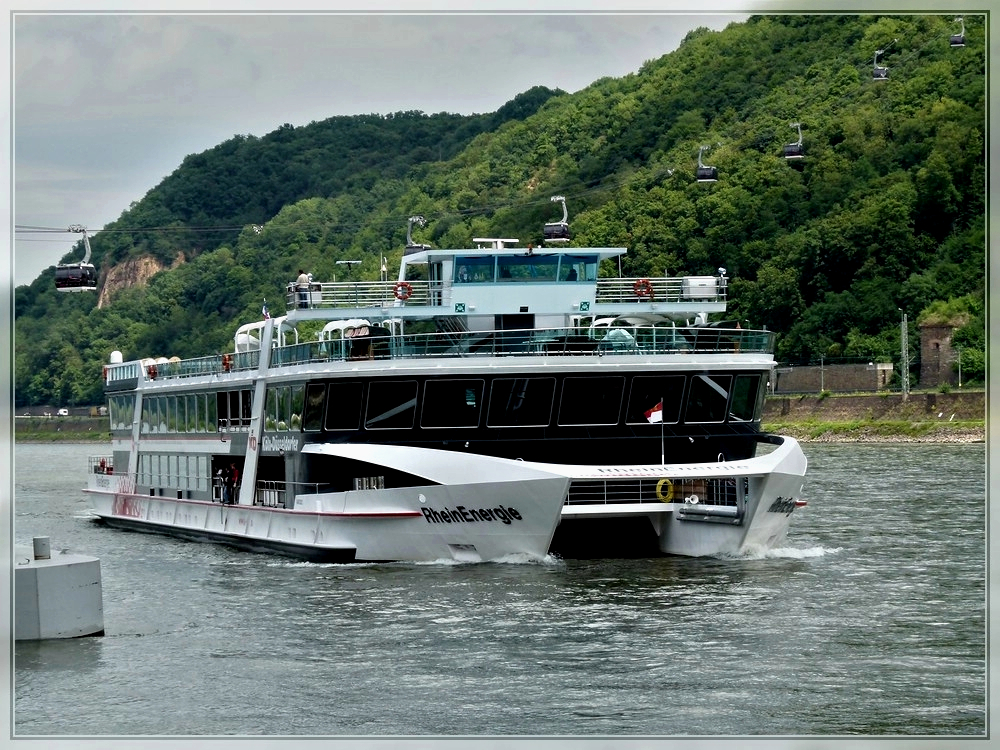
x=643, y=288
x=402, y=291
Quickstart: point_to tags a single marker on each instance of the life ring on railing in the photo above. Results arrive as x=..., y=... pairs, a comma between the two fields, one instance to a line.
x=151, y=371
x=669, y=496
x=402, y=291
x=227, y=363
x=642, y=288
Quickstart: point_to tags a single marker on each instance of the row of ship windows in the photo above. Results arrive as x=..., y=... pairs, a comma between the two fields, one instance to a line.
x=531, y=402
x=457, y=403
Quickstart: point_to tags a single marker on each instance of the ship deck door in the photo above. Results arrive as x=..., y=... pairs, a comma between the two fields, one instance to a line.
x=515, y=330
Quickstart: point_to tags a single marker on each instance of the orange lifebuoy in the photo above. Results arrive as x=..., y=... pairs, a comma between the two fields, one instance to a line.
x=227, y=362
x=151, y=371
x=643, y=288
x=402, y=291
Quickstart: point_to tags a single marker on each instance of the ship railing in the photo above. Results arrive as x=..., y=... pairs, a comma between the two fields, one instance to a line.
x=348, y=294
x=278, y=494
x=210, y=365
x=684, y=289
x=380, y=294
x=713, y=494
x=635, y=340
x=100, y=464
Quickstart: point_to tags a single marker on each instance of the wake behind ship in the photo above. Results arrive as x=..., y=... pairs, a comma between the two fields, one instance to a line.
x=492, y=401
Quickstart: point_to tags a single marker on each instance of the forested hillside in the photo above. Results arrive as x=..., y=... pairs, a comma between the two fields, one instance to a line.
x=886, y=212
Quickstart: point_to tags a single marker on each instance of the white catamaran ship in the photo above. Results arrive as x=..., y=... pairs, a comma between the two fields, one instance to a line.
x=493, y=401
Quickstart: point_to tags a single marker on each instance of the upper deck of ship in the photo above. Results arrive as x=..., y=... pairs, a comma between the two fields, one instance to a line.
x=491, y=300
x=496, y=278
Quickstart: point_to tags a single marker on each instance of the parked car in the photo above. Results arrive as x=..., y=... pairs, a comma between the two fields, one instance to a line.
x=62, y=413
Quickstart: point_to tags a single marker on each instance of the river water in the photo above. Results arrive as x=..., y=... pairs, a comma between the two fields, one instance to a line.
x=870, y=621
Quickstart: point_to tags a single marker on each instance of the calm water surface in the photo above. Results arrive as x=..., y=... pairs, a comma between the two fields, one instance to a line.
x=870, y=621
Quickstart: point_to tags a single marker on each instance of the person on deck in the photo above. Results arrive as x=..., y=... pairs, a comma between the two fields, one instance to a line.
x=303, y=287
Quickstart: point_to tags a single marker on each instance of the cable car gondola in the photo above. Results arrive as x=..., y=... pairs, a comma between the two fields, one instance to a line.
x=557, y=231
x=958, y=40
x=794, y=150
x=411, y=246
x=705, y=173
x=77, y=277
x=880, y=72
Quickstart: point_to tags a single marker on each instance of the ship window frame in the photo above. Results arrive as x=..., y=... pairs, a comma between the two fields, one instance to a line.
x=431, y=403
x=637, y=400
x=753, y=401
x=692, y=393
x=585, y=400
x=314, y=408
x=371, y=421
x=491, y=414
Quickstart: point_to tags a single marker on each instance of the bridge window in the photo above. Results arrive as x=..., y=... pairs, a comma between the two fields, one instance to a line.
x=521, y=402
x=587, y=401
x=528, y=267
x=648, y=392
x=578, y=268
x=474, y=268
x=392, y=404
x=452, y=403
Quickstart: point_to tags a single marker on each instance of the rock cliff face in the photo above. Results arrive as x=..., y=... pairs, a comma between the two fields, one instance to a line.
x=132, y=272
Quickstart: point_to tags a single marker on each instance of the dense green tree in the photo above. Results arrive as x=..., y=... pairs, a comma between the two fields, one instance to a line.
x=886, y=212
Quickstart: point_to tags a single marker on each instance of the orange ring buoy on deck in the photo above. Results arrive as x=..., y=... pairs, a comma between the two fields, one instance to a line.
x=402, y=291
x=151, y=371
x=643, y=288
x=227, y=362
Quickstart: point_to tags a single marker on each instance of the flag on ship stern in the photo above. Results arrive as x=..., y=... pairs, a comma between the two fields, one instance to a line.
x=264, y=312
x=655, y=414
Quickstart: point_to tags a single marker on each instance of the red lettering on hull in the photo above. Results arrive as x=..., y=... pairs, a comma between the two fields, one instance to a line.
x=126, y=505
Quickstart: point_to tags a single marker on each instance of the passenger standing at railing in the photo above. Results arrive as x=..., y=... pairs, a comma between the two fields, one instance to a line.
x=303, y=285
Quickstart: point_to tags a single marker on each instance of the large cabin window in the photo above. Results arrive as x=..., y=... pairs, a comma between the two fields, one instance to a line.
x=747, y=397
x=452, y=403
x=121, y=412
x=528, y=267
x=343, y=406
x=521, y=402
x=392, y=405
x=591, y=401
x=708, y=398
x=649, y=392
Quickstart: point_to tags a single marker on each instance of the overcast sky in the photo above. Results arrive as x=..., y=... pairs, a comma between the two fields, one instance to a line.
x=106, y=105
